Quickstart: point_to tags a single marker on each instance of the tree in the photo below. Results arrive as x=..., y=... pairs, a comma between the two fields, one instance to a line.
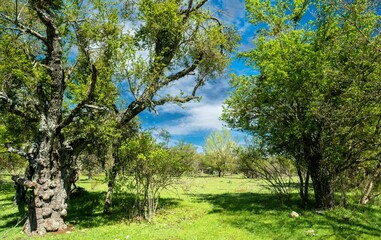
x=61, y=61
x=315, y=95
x=220, y=150
x=150, y=168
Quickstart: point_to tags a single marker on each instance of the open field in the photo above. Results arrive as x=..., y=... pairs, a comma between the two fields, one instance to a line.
x=202, y=208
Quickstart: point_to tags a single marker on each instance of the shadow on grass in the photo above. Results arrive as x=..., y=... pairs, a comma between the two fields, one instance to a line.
x=9, y=213
x=269, y=214
x=250, y=202
x=86, y=208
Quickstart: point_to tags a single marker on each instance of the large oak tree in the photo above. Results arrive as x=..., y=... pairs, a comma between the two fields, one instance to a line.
x=61, y=61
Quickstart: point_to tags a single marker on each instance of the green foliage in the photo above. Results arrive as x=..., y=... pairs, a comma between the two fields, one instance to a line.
x=75, y=74
x=316, y=95
x=220, y=149
x=148, y=168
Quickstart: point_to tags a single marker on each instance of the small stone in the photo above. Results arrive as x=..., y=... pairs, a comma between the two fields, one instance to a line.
x=311, y=232
x=294, y=214
x=319, y=211
x=51, y=225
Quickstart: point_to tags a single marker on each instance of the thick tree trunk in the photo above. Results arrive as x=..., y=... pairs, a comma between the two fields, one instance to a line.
x=322, y=183
x=47, y=206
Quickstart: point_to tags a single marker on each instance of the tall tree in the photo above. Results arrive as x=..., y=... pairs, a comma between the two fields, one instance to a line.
x=220, y=150
x=316, y=95
x=63, y=60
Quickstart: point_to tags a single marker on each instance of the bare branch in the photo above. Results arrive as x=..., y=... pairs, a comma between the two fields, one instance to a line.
x=133, y=91
x=177, y=99
x=70, y=71
x=191, y=9
x=23, y=28
x=174, y=100
x=95, y=107
x=182, y=73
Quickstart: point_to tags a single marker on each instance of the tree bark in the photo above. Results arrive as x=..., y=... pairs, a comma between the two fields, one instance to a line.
x=369, y=187
x=110, y=186
x=303, y=187
x=301, y=184
x=322, y=183
x=47, y=206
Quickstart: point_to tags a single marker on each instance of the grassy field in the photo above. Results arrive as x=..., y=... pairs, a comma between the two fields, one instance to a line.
x=202, y=208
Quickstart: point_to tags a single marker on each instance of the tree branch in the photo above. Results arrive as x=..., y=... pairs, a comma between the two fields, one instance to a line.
x=95, y=107
x=191, y=9
x=79, y=107
x=23, y=182
x=182, y=73
x=174, y=100
x=23, y=28
x=13, y=108
x=10, y=149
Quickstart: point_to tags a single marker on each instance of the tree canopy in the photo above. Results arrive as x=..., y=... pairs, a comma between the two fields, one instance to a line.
x=65, y=63
x=316, y=96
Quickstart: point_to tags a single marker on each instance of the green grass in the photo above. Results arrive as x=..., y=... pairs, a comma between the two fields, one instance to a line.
x=203, y=208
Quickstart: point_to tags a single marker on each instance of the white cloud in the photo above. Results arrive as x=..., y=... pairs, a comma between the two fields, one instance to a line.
x=196, y=117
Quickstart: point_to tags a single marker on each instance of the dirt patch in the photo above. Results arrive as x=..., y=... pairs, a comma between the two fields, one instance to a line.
x=69, y=229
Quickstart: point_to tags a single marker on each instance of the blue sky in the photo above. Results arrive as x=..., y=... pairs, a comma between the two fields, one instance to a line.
x=197, y=120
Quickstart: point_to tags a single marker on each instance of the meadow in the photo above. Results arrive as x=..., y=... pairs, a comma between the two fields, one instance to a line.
x=205, y=207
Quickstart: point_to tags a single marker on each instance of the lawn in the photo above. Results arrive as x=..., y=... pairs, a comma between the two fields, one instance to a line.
x=202, y=208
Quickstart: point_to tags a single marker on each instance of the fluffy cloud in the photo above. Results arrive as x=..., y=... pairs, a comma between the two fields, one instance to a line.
x=195, y=118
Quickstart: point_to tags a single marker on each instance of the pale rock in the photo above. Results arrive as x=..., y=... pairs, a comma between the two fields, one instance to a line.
x=294, y=214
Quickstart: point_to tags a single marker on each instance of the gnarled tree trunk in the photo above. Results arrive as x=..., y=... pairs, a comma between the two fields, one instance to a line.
x=47, y=206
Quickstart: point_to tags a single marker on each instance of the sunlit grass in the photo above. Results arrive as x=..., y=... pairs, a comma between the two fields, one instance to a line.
x=203, y=208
